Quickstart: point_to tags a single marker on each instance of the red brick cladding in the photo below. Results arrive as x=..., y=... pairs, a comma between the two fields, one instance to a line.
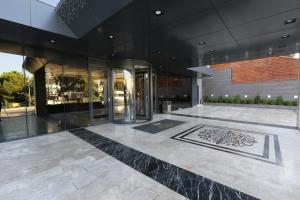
x=278, y=68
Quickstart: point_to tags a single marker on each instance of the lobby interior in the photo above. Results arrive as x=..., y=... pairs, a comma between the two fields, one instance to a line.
x=149, y=99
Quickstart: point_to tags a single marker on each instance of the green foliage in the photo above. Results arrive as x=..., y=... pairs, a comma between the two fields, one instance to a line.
x=280, y=100
x=12, y=82
x=220, y=99
x=237, y=99
x=257, y=99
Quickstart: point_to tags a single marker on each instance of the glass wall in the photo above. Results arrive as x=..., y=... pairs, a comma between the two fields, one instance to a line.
x=41, y=95
x=13, y=97
x=99, y=94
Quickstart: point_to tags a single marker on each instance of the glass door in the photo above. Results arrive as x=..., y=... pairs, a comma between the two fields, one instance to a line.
x=123, y=95
x=99, y=95
x=142, y=89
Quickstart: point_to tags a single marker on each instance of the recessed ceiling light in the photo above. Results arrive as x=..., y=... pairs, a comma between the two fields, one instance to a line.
x=52, y=41
x=111, y=37
x=202, y=43
x=289, y=21
x=281, y=46
x=285, y=36
x=158, y=12
x=212, y=50
x=173, y=57
x=158, y=52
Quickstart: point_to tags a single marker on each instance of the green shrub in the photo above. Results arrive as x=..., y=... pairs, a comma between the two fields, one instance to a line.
x=249, y=101
x=264, y=101
x=294, y=103
x=237, y=99
x=220, y=99
x=205, y=98
x=257, y=99
x=228, y=100
x=280, y=100
x=272, y=102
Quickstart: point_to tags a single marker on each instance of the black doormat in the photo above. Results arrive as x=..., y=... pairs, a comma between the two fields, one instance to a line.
x=159, y=126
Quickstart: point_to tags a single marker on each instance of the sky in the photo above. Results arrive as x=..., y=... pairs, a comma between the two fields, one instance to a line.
x=9, y=62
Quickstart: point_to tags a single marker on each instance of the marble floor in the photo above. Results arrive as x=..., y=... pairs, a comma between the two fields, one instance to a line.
x=250, y=160
x=276, y=116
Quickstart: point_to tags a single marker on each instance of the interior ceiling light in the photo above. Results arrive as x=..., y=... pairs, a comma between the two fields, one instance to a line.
x=173, y=57
x=212, y=50
x=52, y=41
x=111, y=37
x=202, y=43
x=285, y=36
x=158, y=12
x=289, y=21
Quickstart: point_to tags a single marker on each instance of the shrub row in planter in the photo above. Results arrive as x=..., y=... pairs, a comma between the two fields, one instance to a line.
x=257, y=100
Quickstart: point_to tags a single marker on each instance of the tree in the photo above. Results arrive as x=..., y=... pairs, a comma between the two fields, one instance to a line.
x=13, y=86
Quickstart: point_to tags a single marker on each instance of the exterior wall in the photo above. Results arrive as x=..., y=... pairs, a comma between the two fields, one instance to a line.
x=279, y=68
x=221, y=84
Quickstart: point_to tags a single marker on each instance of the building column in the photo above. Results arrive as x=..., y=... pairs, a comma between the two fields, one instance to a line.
x=200, y=88
x=197, y=90
x=298, y=107
x=40, y=92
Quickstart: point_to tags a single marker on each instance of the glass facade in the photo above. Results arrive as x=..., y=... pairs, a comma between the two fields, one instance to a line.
x=46, y=95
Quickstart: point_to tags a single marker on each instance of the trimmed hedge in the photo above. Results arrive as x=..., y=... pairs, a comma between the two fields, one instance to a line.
x=257, y=100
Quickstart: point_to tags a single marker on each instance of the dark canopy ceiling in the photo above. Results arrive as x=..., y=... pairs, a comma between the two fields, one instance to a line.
x=234, y=29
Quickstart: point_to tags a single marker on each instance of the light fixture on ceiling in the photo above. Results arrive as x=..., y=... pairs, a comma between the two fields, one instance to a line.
x=202, y=43
x=158, y=52
x=173, y=57
x=290, y=21
x=285, y=36
x=212, y=50
x=52, y=41
x=158, y=12
x=111, y=37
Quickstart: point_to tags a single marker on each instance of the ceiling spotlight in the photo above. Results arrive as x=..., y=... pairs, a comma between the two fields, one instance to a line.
x=285, y=36
x=111, y=37
x=281, y=46
x=158, y=12
x=202, y=43
x=212, y=50
x=289, y=21
x=52, y=41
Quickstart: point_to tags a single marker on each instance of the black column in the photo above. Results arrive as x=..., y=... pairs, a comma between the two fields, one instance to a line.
x=40, y=92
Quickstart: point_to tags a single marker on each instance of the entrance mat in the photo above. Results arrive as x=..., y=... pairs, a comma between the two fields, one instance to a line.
x=255, y=145
x=159, y=126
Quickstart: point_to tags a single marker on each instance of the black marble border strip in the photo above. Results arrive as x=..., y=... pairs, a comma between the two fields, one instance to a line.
x=186, y=183
x=277, y=150
x=237, y=121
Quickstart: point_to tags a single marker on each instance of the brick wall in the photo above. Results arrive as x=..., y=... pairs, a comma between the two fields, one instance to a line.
x=278, y=68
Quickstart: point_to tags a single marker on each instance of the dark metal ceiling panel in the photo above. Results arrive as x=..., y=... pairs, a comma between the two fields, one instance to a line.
x=211, y=41
x=238, y=12
x=266, y=25
x=205, y=23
